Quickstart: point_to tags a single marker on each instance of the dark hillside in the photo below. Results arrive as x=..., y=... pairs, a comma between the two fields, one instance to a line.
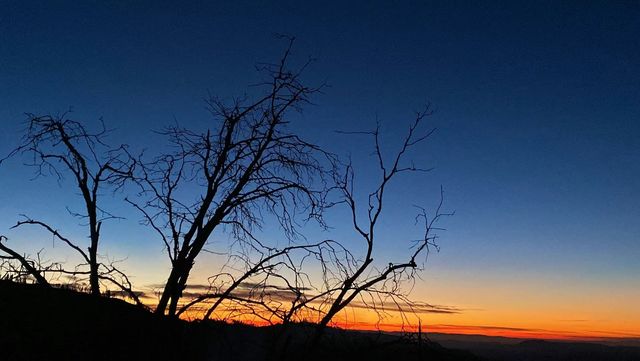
x=40, y=324
x=58, y=324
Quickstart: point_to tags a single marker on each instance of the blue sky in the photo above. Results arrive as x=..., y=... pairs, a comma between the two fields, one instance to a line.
x=537, y=110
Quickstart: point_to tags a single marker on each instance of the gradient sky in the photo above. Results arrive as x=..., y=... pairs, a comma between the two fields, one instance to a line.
x=538, y=141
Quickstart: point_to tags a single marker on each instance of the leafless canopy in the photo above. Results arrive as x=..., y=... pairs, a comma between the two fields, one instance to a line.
x=246, y=169
x=60, y=146
x=276, y=286
x=362, y=280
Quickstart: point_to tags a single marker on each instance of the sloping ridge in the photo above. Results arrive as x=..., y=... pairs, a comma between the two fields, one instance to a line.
x=40, y=323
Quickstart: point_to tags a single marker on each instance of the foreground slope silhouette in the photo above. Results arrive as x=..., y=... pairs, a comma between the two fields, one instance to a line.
x=53, y=324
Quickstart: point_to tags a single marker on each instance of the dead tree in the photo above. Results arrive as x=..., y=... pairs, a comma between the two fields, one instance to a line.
x=277, y=282
x=61, y=146
x=26, y=268
x=347, y=280
x=247, y=167
x=364, y=277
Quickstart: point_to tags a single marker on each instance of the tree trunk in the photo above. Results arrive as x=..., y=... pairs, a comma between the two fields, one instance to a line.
x=170, y=290
x=181, y=284
x=94, y=280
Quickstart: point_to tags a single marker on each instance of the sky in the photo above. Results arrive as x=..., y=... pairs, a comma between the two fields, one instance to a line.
x=537, y=110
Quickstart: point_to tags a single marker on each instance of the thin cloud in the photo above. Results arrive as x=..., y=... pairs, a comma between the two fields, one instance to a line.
x=405, y=306
x=489, y=328
x=272, y=293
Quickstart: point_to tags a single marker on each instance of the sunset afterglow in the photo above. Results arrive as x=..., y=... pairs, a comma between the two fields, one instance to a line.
x=416, y=168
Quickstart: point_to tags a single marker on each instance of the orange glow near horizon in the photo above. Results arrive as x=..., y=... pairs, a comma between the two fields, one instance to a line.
x=367, y=320
x=360, y=321
x=494, y=331
x=524, y=306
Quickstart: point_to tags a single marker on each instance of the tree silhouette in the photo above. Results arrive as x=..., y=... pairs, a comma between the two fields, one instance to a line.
x=61, y=146
x=26, y=267
x=248, y=165
x=247, y=169
x=359, y=277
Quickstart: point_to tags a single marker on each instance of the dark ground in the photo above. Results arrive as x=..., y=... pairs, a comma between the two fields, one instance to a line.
x=58, y=324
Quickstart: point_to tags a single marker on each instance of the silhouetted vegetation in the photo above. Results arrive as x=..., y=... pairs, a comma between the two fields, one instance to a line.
x=247, y=169
x=60, y=146
x=52, y=323
x=60, y=324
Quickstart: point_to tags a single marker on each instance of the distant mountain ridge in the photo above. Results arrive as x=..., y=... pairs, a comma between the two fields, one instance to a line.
x=456, y=337
x=509, y=349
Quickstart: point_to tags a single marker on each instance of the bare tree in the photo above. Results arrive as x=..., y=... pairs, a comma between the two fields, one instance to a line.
x=248, y=167
x=357, y=278
x=25, y=267
x=61, y=146
x=277, y=284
